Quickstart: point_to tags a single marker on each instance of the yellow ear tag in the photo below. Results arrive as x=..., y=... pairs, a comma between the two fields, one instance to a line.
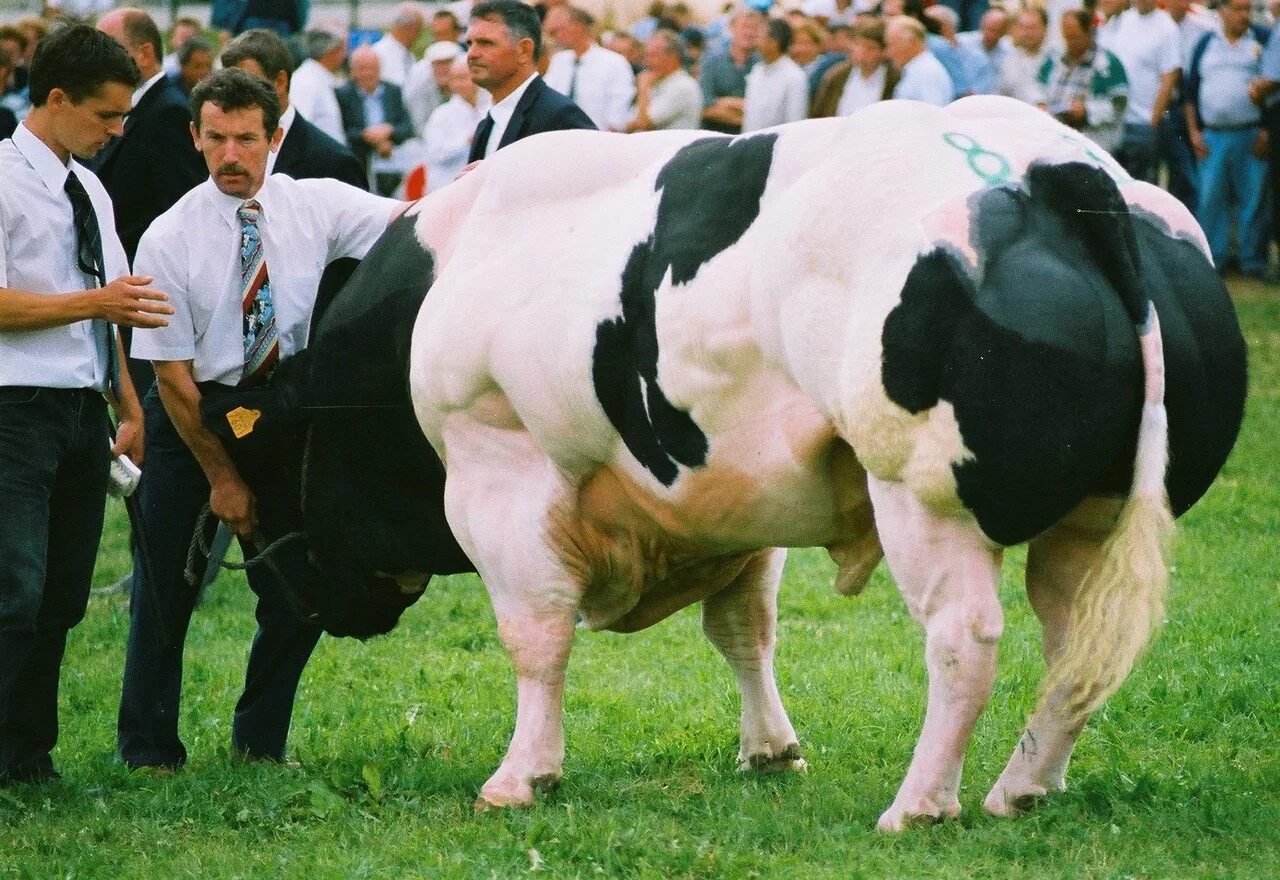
x=242, y=420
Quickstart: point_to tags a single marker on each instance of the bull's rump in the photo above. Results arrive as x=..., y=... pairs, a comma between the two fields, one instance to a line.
x=541, y=263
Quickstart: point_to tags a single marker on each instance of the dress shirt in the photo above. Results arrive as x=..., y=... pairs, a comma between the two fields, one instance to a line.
x=860, y=92
x=193, y=251
x=311, y=90
x=501, y=113
x=448, y=138
x=604, y=86
x=777, y=92
x=1149, y=46
x=1020, y=74
x=397, y=61
x=925, y=79
x=286, y=122
x=146, y=86
x=38, y=255
x=675, y=101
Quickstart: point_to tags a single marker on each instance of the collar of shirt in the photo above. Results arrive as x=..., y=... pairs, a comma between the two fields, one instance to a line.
x=503, y=110
x=142, y=89
x=46, y=164
x=227, y=206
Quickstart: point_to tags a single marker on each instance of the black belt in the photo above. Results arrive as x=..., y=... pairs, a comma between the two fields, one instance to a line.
x=1245, y=126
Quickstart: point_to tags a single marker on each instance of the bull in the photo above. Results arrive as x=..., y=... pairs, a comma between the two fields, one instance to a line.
x=918, y=334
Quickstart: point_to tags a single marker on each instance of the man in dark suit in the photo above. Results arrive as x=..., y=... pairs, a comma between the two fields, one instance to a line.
x=504, y=40
x=155, y=163
x=374, y=116
x=305, y=151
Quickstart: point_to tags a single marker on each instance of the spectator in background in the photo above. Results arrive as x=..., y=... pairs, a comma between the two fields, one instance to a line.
x=777, y=89
x=830, y=12
x=195, y=62
x=837, y=43
x=445, y=27
x=596, y=79
x=8, y=119
x=1175, y=142
x=723, y=75
x=1147, y=42
x=629, y=48
x=284, y=17
x=807, y=40
x=667, y=97
x=967, y=67
x=311, y=90
x=865, y=78
x=695, y=44
x=989, y=43
x=1020, y=71
x=304, y=151
x=428, y=84
x=450, y=128
x=645, y=27
x=921, y=77
x=1265, y=92
x=1084, y=86
x=14, y=94
x=1225, y=127
x=184, y=29
x=395, y=49
x=374, y=117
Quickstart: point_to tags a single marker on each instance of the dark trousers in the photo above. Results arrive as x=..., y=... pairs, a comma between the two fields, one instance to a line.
x=172, y=494
x=1175, y=150
x=1137, y=152
x=53, y=482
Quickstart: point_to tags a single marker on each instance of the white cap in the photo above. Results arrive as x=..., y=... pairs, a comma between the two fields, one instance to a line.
x=445, y=50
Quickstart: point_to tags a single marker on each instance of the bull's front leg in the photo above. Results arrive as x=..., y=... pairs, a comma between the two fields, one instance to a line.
x=741, y=621
x=948, y=576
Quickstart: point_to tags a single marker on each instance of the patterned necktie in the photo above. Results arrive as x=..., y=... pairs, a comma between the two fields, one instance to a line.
x=89, y=261
x=573, y=78
x=261, y=339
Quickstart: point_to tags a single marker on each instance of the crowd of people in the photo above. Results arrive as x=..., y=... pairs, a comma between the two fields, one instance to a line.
x=141, y=176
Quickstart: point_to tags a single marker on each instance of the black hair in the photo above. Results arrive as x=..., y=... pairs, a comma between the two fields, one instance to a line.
x=80, y=61
x=780, y=32
x=191, y=47
x=233, y=89
x=521, y=20
x=263, y=46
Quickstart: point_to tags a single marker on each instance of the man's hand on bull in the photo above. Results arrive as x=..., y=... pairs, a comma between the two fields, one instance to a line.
x=231, y=501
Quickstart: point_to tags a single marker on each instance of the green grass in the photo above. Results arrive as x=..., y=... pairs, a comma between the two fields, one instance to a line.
x=1178, y=776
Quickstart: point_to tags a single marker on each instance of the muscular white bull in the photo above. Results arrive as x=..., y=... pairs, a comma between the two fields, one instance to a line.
x=646, y=361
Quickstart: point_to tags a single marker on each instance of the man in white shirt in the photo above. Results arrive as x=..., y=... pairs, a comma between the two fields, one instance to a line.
x=311, y=89
x=395, y=48
x=777, y=88
x=451, y=126
x=598, y=80
x=1148, y=44
x=1175, y=143
x=668, y=97
x=504, y=38
x=922, y=76
x=1020, y=70
x=59, y=356
x=242, y=255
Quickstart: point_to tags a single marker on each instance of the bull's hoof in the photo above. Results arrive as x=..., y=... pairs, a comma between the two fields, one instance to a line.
x=787, y=761
x=1008, y=803
x=897, y=819
x=506, y=794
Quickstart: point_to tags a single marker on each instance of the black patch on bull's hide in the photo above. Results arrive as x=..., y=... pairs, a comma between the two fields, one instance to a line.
x=369, y=487
x=710, y=195
x=1040, y=360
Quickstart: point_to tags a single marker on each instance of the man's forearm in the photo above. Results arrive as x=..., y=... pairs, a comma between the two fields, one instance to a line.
x=181, y=399
x=22, y=311
x=1167, y=83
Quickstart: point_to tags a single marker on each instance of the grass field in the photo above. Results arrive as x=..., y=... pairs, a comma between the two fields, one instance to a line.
x=1179, y=775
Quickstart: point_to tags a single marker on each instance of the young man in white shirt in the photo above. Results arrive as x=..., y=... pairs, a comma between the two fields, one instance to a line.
x=777, y=88
x=241, y=255
x=1148, y=44
x=596, y=79
x=59, y=355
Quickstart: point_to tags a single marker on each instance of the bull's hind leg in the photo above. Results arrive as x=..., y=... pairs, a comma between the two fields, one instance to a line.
x=741, y=621
x=947, y=575
x=1056, y=564
x=497, y=495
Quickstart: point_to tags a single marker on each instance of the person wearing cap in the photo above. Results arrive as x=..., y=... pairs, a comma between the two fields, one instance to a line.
x=427, y=86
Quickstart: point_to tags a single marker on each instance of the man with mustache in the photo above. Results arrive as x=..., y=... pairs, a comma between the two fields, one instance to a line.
x=241, y=256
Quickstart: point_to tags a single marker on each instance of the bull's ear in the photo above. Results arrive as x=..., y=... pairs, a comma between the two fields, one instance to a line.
x=937, y=298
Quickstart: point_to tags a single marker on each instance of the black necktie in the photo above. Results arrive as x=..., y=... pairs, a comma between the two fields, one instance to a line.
x=481, y=140
x=89, y=261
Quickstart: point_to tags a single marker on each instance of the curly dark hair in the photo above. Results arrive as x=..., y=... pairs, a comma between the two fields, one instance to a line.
x=233, y=89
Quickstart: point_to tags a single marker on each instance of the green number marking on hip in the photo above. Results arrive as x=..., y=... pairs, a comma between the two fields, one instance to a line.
x=991, y=167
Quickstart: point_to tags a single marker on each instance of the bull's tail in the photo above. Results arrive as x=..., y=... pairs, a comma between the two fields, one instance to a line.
x=1120, y=602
